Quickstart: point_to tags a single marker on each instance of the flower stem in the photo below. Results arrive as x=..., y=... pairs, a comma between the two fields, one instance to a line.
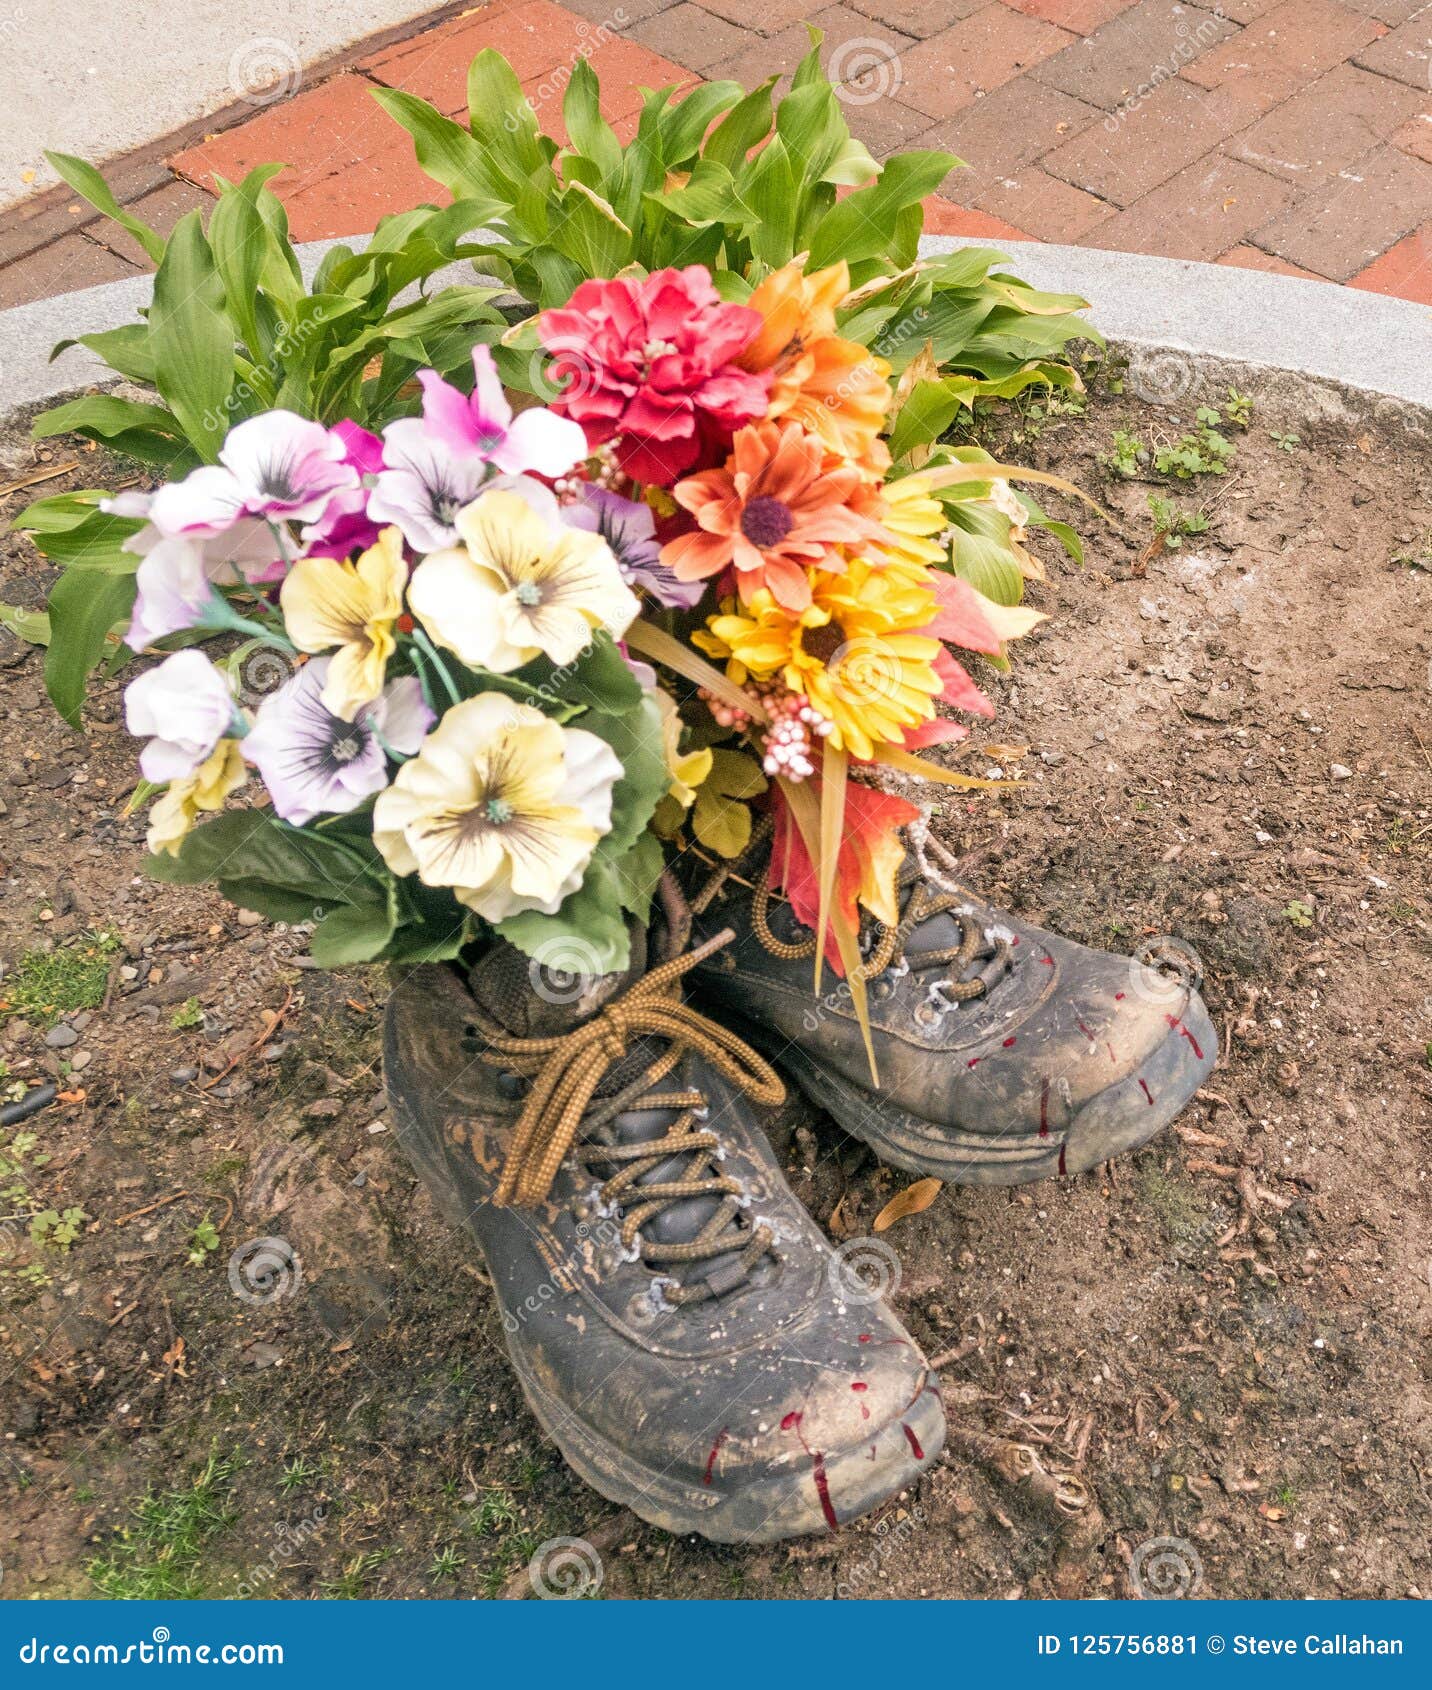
x=425, y=645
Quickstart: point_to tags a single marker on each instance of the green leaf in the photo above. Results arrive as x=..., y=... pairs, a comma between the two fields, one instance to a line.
x=354, y=933
x=102, y=416
x=636, y=737
x=928, y=411
x=32, y=626
x=193, y=340
x=89, y=184
x=748, y=122
x=327, y=869
x=125, y=349
x=445, y=150
x=84, y=606
x=592, y=136
x=590, y=927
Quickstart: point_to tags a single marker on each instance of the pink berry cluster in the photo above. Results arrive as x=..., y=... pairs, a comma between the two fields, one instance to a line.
x=788, y=742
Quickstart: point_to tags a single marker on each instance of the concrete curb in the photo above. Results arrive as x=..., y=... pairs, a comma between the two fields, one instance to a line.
x=1368, y=343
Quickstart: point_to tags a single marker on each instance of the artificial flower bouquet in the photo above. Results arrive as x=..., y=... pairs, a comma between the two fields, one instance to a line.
x=472, y=609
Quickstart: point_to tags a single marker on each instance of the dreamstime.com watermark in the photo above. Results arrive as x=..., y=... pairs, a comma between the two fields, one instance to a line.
x=155, y=1650
x=1190, y=42
x=554, y=85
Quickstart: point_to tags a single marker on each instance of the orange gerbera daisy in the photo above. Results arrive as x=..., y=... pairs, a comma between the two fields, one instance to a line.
x=772, y=512
x=835, y=388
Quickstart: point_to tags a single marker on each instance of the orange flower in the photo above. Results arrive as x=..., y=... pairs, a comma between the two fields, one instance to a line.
x=772, y=512
x=835, y=388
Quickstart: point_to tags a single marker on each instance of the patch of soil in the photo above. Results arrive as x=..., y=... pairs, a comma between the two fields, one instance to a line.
x=1223, y=1339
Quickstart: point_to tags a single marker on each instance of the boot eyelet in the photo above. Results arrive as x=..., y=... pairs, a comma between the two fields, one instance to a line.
x=882, y=989
x=582, y=1208
x=609, y=1258
x=511, y=1086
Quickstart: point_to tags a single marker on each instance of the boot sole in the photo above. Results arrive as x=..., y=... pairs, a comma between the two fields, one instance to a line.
x=823, y=1491
x=1117, y=1120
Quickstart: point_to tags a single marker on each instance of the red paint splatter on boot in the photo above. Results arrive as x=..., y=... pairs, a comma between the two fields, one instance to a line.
x=715, y=1451
x=1044, y=1108
x=865, y=1337
x=1048, y=961
x=913, y=1441
x=974, y=1062
x=860, y=1385
x=1008, y=1043
x=1147, y=1093
x=1063, y=1171
x=1179, y=1027
x=1087, y=1034
x=792, y=1423
x=1114, y=1059
x=1118, y=997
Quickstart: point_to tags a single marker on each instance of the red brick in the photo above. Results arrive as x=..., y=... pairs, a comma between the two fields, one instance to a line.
x=1390, y=12
x=1200, y=213
x=944, y=217
x=1124, y=156
x=1326, y=126
x=699, y=38
x=1299, y=39
x=765, y=16
x=1081, y=17
x=979, y=53
x=1246, y=11
x=889, y=125
x=920, y=18
x=1019, y=122
x=1050, y=209
x=1250, y=258
x=319, y=133
x=73, y=261
x=161, y=210
x=351, y=199
x=1405, y=271
x=1341, y=227
x=1139, y=49
x=1405, y=54
x=1416, y=137
x=535, y=37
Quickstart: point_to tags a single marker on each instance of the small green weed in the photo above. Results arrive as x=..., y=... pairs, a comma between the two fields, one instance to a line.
x=1299, y=913
x=159, y=1557
x=190, y=1013
x=1172, y=524
x=203, y=1241
x=49, y=984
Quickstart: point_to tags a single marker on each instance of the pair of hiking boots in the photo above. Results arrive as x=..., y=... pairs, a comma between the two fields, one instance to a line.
x=681, y=1328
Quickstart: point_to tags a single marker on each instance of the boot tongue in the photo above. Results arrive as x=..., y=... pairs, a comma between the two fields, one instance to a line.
x=536, y=999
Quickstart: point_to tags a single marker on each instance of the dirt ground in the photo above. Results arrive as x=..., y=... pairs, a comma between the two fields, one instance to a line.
x=1224, y=1339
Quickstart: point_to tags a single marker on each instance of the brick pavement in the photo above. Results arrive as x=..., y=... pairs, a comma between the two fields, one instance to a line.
x=1285, y=135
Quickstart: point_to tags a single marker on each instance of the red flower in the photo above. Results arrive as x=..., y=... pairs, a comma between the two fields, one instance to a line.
x=649, y=364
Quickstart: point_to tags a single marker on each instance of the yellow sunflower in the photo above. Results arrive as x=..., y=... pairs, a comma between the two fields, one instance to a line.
x=855, y=653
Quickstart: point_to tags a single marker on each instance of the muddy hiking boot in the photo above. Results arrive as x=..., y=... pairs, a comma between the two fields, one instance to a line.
x=1005, y=1054
x=680, y=1327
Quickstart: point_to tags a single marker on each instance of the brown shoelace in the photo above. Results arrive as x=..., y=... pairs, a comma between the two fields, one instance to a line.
x=562, y=1116
x=889, y=948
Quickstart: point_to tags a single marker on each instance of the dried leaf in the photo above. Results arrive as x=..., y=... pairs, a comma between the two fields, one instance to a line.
x=913, y=1200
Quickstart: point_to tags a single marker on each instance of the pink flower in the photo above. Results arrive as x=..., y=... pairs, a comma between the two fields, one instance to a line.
x=276, y=465
x=649, y=364
x=481, y=425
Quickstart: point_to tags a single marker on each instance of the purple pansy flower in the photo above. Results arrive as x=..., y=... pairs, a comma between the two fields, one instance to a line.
x=629, y=528
x=424, y=484
x=481, y=424
x=185, y=704
x=277, y=465
x=313, y=762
